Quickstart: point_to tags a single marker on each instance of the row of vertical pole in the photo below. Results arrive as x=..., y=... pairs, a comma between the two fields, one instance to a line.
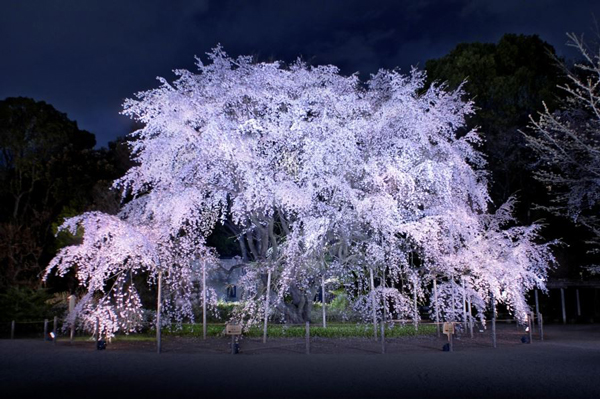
x=466, y=303
x=467, y=315
x=54, y=330
x=563, y=305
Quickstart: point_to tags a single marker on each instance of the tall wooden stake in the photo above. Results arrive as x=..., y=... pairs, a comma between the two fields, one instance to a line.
x=203, y=299
x=454, y=318
x=45, y=329
x=530, y=326
x=373, y=303
x=307, y=337
x=71, y=309
x=470, y=316
x=562, y=301
x=12, y=329
x=382, y=337
x=464, y=302
x=384, y=318
x=435, y=306
x=493, y=321
x=415, y=308
x=267, y=306
x=323, y=301
x=537, y=306
x=578, y=303
x=55, y=329
x=158, y=312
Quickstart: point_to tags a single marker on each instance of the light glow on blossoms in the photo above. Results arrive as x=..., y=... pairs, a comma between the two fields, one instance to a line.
x=320, y=177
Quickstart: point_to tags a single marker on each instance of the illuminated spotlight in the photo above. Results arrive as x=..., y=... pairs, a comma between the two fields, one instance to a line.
x=527, y=329
x=51, y=336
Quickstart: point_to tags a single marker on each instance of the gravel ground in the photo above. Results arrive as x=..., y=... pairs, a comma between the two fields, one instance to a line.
x=566, y=364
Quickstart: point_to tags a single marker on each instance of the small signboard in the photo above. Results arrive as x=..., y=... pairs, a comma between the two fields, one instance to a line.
x=233, y=329
x=448, y=328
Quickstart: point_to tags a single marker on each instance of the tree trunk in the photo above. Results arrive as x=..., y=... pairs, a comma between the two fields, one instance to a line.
x=297, y=310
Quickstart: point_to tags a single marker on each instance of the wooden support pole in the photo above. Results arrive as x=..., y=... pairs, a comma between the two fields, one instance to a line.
x=323, y=303
x=530, y=326
x=72, y=299
x=97, y=332
x=453, y=301
x=55, y=329
x=578, y=303
x=541, y=323
x=494, y=343
x=307, y=335
x=267, y=306
x=384, y=317
x=537, y=306
x=158, y=313
x=45, y=329
x=382, y=337
x=464, y=303
x=562, y=301
x=470, y=317
x=435, y=306
x=203, y=299
x=373, y=303
x=12, y=329
x=415, y=308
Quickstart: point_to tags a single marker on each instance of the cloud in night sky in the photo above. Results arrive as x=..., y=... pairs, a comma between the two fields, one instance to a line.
x=85, y=57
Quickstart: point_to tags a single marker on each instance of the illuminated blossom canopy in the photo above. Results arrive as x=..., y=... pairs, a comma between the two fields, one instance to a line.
x=320, y=176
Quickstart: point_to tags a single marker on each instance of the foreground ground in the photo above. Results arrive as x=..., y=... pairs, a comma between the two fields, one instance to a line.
x=566, y=364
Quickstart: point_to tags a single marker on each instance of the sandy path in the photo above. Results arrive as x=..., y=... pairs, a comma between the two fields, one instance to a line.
x=566, y=364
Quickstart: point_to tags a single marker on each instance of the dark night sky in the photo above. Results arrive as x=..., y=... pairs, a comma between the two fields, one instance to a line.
x=86, y=56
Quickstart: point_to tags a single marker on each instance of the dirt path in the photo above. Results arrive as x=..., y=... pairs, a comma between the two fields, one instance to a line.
x=566, y=364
